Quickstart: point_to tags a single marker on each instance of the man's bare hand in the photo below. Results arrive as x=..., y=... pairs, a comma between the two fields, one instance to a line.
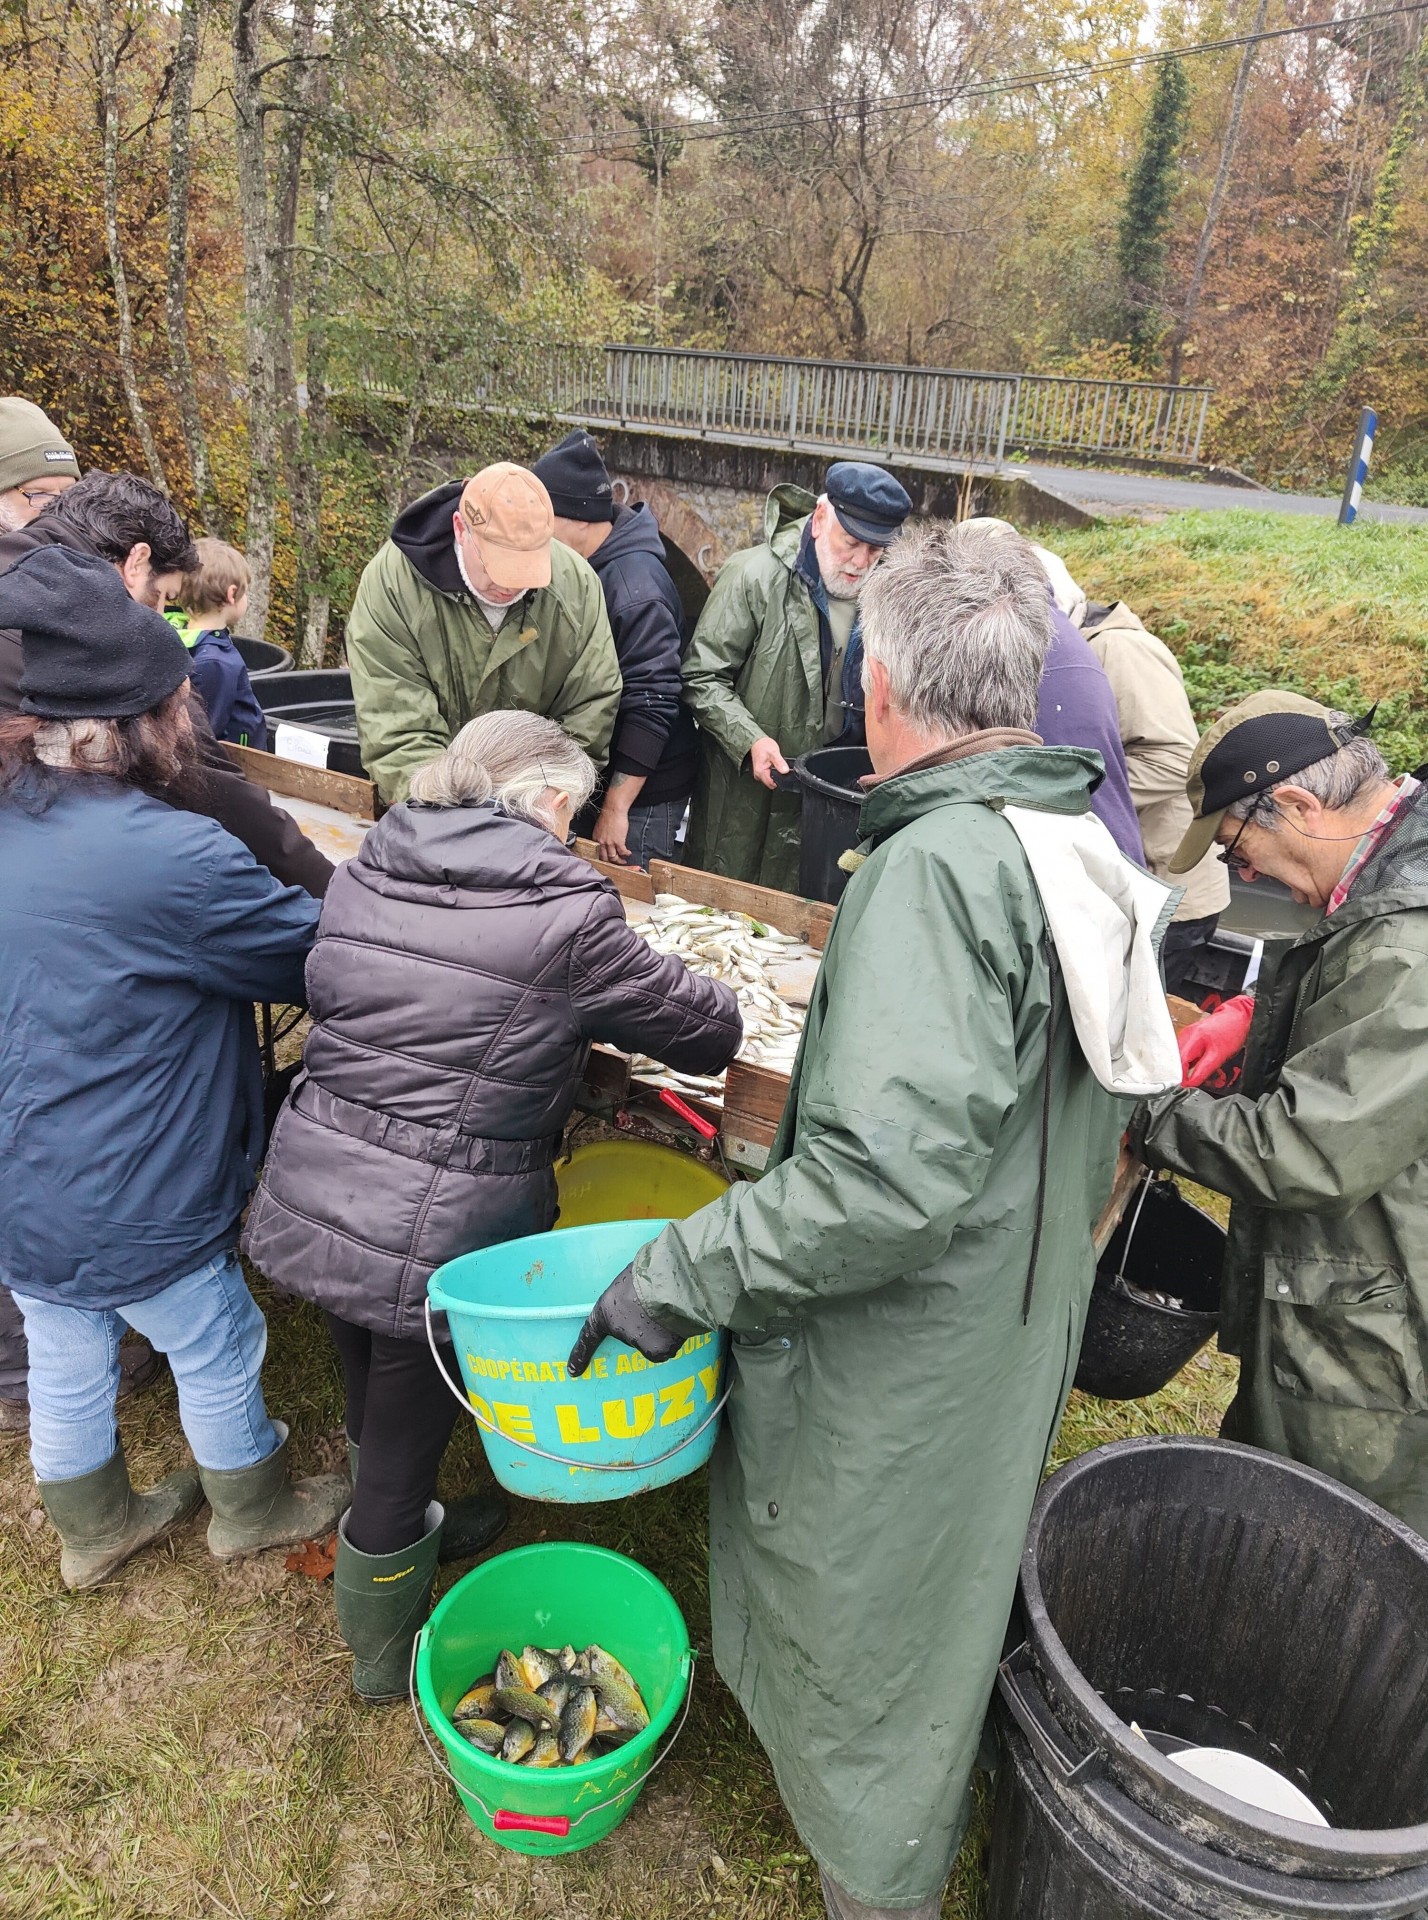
x=612, y=833
x=766, y=759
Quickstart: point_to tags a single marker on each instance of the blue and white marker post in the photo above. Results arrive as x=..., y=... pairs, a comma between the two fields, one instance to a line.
x=1358, y=468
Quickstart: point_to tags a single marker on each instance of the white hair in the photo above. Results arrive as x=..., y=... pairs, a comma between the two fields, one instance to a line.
x=1069, y=597
x=1335, y=781
x=508, y=759
x=961, y=619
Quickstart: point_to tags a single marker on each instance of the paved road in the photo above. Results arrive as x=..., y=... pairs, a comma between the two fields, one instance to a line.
x=1100, y=491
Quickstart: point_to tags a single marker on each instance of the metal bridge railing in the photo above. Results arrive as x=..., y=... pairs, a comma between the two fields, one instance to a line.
x=933, y=415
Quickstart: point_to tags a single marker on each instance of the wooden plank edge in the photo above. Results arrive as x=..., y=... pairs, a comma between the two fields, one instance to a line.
x=343, y=792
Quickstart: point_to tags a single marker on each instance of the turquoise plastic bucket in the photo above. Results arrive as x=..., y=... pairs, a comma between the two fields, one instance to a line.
x=514, y=1312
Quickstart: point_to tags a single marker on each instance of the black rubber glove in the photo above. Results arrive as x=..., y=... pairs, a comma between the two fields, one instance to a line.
x=618, y=1312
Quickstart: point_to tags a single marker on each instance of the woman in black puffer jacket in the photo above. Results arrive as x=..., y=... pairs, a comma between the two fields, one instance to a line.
x=464, y=962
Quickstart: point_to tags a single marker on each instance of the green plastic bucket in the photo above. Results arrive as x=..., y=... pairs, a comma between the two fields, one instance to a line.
x=514, y=1312
x=552, y=1595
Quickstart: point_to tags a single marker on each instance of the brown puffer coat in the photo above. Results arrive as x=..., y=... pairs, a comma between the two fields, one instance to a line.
x=464, y=962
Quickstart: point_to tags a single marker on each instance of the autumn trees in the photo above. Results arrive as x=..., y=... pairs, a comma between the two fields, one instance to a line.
x=248, y=246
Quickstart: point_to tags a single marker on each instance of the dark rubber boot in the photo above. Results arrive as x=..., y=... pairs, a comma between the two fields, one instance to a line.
x=102, y=1522
x=257, y=1507
x=473, y=1523
x=382, y=1601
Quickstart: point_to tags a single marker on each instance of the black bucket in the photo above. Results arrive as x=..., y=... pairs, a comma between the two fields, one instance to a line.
x=263, y=657
x=832, y=800
x=1220, y=1596
x=1133, y=1346
x=318, y=702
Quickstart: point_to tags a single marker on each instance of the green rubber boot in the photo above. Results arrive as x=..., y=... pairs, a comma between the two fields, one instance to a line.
x=102, y=1522
x=382, y=1601
x=257, y=1507
x=473, y=1523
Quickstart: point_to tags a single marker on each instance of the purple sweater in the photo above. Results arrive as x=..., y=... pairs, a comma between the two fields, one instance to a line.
x=1077, y=708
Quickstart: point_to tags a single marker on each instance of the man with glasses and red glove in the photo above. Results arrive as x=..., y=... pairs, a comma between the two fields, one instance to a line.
x=1323, y=1150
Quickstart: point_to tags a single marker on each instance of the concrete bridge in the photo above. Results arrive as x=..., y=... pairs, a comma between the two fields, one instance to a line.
x=704, y=436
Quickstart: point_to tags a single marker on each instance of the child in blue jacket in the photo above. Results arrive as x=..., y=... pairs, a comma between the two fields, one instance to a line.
x=214, y=599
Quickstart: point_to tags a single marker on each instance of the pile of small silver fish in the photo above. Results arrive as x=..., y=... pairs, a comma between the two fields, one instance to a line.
x=737, y=949
x=549, y=1708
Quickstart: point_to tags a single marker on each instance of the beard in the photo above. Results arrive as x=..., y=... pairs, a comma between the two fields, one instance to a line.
x=838, y=582
x=10, y=521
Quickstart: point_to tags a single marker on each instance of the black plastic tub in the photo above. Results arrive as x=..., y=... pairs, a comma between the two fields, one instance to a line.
x=1220, y=1596
x=319, y=702
x=263, y=657
x=1134, y=1346
x=832, y=800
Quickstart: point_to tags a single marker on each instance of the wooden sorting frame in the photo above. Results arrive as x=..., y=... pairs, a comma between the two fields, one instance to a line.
x=754, y=1097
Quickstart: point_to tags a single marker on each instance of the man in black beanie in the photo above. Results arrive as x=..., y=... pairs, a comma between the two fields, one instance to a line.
x=654, y=751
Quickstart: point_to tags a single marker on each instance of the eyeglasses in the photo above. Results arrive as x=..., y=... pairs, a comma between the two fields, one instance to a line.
x=38, y=496
x=1236, y=862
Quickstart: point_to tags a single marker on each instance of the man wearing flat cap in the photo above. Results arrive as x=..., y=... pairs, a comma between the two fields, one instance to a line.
x=1324, y=1149
x=470, y=606
x=774, y=667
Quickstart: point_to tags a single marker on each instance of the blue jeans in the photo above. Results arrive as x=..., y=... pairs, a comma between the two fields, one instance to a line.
x=652, y=831
x=210, y=1327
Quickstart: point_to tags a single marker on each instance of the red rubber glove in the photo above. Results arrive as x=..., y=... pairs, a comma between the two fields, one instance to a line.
x=1206, y=1045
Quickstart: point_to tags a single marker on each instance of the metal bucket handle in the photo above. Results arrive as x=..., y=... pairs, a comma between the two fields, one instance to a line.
x=558, y=1824
x=562, y=1459
x=1146, y=1180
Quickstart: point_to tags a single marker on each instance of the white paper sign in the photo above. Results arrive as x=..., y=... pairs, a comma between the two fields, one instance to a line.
x=297, y=743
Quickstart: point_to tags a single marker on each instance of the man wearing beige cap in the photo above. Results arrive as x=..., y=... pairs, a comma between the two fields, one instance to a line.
x=1323, y=1150
x=37, y=463
x=471, y=606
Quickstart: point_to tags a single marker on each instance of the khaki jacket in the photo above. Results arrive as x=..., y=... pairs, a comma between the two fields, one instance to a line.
x=1158, y=733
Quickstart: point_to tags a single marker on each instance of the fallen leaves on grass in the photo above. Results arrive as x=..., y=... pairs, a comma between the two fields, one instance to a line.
x=315, y=1558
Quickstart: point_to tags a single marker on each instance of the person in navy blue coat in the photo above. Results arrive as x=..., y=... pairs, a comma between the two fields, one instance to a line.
x=214, y=598
x=134, y=940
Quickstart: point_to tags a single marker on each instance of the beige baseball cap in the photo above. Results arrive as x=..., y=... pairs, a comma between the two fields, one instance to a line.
x=509, y=513
x=1260, y=741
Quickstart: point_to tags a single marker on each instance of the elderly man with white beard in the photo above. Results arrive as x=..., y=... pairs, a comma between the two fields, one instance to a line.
x=774, y=666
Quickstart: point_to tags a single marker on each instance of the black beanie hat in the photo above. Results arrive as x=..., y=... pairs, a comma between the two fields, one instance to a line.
x=90, y=652
x=574, y=476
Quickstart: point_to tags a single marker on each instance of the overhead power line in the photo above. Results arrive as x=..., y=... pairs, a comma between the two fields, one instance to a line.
x=605, y=146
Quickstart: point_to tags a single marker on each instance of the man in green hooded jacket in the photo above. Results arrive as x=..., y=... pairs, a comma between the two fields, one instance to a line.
x=907, y=1284
x=470, y=606
x=773, y=667
x=1323, y=1149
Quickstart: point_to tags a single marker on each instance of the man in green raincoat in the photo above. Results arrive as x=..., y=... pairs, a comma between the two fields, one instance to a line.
x=907, y=1283
x=773, y=667
x=1323, y=1149
x=472, y=606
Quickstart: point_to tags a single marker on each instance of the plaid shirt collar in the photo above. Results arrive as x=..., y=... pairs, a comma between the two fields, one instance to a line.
x=1369, y=845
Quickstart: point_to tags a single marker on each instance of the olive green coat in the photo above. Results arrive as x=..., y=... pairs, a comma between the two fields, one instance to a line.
x=425, y=662
x=754, y=668
x=1324, y=1154
x=892, y=1411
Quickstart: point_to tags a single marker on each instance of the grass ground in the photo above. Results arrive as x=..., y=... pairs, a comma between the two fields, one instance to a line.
x=183, y=1742
x=1263, y=599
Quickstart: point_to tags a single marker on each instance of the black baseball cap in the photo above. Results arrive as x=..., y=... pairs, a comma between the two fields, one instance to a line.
x=870, y=504
x=1257, y=744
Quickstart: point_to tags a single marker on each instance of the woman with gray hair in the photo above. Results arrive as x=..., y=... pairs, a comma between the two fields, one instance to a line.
x=464, y=962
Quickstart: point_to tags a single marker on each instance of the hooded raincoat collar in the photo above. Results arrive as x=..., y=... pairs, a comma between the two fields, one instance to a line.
x=1044, y=779
x=786, y=513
